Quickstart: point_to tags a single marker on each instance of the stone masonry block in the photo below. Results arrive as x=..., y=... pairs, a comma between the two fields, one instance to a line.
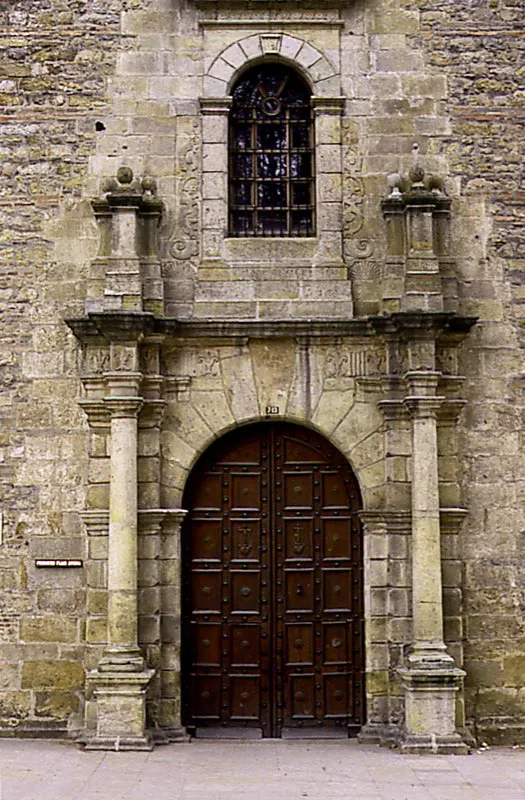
x=96, y=630
x=514, y=670
x=57, y=705
x=9, y=676
x=377, y=573
x=399, y=602
x=48, y=629
x=149, y=629
x=15, y=704
x=52, y=675
x=97, y=601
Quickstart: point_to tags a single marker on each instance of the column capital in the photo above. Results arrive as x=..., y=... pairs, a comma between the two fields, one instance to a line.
x=123, y=383
x=96, y=412
x=123, y=407
x=422, y=382
x=393, y=410
x=451, y=409
x=150, y=519
x=174, y=519
x=96, y=521
x=423, y=407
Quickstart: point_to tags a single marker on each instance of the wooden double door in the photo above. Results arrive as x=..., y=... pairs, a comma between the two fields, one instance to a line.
x=272, y=588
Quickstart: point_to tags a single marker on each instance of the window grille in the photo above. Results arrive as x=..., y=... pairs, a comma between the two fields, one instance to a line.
x=271, y=155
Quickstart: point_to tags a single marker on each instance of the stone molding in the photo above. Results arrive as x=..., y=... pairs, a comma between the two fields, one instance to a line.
x=400, y=522
x=96, y=521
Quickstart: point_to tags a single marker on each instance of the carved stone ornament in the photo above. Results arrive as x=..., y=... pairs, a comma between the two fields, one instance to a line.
x=184, y=243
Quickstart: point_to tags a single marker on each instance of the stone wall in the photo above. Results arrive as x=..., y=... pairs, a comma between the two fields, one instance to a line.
x=86, y=87
x=56, y=58
x=478, y=47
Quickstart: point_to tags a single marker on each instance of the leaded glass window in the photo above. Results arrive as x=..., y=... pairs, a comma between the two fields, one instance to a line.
x=271, y=155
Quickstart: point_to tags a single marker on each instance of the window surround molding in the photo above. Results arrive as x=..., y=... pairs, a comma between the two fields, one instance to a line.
x=326, y=247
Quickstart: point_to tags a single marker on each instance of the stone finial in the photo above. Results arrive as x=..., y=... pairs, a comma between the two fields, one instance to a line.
x=416, y=173
x=108, y=185
x=416, y=182
x=436, y=184
x=149, y=186
x=395, y=183
x=126, y=184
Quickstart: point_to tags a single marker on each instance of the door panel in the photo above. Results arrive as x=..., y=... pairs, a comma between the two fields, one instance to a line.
x=272, y=594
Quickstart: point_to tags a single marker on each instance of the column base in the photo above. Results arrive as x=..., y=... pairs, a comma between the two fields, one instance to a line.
x=170, y=736
x=117, y=743
x=121, y=659
x=380, y=733
x=120, y=711
x=431, y=743
x=430, y=709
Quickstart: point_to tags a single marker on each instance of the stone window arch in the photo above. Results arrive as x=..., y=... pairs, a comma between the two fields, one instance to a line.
x=271, y=165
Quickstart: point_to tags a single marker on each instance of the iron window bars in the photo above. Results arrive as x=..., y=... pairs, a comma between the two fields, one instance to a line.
x=271, y=155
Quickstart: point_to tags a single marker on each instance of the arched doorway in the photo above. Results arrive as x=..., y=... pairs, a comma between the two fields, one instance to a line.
x=272, y=587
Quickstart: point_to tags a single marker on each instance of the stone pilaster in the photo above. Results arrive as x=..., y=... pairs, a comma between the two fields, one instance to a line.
x=170, y=655
x=430, y=678
x=375, y=540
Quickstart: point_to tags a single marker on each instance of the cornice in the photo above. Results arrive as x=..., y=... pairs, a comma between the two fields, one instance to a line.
x=98, y=328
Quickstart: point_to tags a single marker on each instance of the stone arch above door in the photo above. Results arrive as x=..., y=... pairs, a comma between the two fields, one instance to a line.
x=314, y=65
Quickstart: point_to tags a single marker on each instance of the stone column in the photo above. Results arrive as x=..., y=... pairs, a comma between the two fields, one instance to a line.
x=120, y=681
x=122, y=652
x=430, y=678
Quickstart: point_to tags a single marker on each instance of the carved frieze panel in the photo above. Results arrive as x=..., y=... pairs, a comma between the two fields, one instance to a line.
x=193, y=362
x=343, y=361
x=96, y=360
x=124, y=358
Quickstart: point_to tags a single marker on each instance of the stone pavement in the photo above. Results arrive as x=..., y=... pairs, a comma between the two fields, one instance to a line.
x=264, y=770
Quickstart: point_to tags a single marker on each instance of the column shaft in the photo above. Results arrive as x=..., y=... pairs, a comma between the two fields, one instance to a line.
x=426, y=558
x=122, y=652
x=122, y=558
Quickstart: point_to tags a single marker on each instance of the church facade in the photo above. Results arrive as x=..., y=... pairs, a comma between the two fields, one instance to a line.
x=262, y=388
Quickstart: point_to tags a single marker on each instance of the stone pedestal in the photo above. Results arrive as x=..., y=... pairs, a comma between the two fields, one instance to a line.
x=430, y=703
x=121, y=711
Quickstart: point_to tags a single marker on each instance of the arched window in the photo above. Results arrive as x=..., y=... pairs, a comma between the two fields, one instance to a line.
x=271, y=158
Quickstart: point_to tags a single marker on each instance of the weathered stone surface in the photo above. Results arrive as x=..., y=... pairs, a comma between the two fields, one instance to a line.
x=48, y=629
x=57, y=705
x=52, y=675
